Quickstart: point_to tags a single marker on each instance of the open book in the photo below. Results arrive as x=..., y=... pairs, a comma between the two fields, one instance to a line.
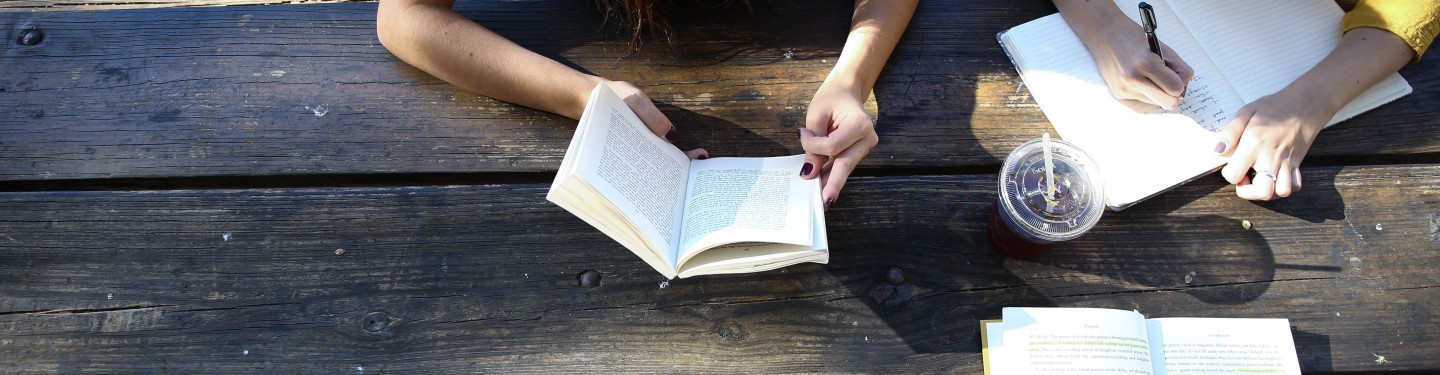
x=1240, y=50
x=687, y=217
x=1043, y=341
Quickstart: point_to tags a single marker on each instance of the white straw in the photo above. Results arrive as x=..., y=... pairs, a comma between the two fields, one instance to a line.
x=1049, y=169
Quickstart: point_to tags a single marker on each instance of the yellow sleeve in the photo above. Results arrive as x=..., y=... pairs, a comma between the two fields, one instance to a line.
x=1415, y=21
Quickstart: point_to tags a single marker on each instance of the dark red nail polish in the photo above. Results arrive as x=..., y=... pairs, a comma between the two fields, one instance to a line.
x=828, y=201
x=703, y=157
x=1220, y=147
x=671, y=135
x=805, y=170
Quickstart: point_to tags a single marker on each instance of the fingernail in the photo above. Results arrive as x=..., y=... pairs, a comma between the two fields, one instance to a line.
x=805, y=169
x=703, y=157
x=671, y=135
x=828, y=201
x=1220, y=147
x=800, y=133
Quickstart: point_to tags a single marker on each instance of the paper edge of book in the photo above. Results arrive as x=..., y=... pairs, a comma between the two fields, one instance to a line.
x=565, y=173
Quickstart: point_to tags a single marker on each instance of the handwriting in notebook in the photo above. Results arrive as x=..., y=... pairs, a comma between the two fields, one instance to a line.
x=1203, y=106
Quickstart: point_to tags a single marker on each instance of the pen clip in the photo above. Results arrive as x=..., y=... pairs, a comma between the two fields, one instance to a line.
x=1147, y=17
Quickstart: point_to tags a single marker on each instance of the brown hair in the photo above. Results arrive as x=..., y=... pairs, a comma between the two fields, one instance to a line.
x=641, y=16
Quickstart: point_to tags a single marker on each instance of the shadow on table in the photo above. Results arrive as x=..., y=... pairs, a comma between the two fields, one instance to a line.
x=932, y=285
x=1313, y=351
x=1148, y=259
x=1316, y=202
x=1213, y=258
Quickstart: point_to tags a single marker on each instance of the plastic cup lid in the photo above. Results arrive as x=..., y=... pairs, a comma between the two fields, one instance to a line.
x=1068, y=212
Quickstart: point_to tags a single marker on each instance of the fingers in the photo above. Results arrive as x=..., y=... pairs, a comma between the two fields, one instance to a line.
x=811, y=168
x=698, y=153
x=651, y=116
x=1156, y=81
x=1180, y=67
x=645, y=109
x=1284, y=180
x=1288, y=179
x=1171, y=86
x=841, y=167
x=1149, y=93
x=1228, y=143
x=838, y=140
x=1262, y=185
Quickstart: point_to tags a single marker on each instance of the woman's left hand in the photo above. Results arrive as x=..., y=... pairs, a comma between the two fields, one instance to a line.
x=1271, y=136
x=837, y=134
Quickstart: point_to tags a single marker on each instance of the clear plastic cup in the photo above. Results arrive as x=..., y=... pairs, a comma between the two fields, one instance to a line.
x=1028, y=218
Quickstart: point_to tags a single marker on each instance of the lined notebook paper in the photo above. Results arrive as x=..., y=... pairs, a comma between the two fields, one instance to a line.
x=1240, y=50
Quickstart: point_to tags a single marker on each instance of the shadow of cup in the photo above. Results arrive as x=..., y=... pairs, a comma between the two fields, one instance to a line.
x=1210, y=258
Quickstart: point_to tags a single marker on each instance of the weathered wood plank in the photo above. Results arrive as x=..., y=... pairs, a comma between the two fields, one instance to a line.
x=307, y=90
x=483, y=278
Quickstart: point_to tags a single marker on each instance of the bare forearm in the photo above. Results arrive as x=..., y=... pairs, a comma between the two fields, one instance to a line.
x=432, y=37
x=1364, y=57
x=875, y=29
x=1088, y=18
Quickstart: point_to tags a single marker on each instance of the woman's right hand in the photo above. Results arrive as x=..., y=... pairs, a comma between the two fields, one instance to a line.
x=1133, y=72
x=1122, y=53
x=649, y=114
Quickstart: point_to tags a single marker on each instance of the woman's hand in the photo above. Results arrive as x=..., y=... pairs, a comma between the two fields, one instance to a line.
x=1133, y=72
x=1271, y=136
x=837, y=134
x=650, y=115
x=1122, y=53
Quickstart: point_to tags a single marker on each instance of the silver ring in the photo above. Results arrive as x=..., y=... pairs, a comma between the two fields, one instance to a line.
x=1267, y=174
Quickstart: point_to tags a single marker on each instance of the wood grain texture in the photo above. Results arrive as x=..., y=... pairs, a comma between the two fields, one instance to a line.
x=484, y=278
x=308, y=90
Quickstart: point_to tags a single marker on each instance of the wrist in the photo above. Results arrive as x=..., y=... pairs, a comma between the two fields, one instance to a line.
x=1310, y=92
x=848, y=84
x=1093, y=22
x=580, y=94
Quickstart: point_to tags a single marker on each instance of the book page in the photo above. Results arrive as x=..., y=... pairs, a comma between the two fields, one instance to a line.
x=986, y=340
x=1139, y=154
x=1056, y=341
x=756, y=256
x=746, y=200
x=1263, y=46
x=642, y=175
x=1196, y=346
x=577, y=196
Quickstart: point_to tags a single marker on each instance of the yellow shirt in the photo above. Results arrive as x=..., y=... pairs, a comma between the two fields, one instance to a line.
x=1415, y=21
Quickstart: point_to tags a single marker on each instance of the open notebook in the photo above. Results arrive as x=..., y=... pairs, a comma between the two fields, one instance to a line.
x=1240, y=50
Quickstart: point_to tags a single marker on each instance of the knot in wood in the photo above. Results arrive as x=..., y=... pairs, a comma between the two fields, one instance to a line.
x=30, y=37
x=887, y=294
x=729, y=331
x=375, y=322
x=895, y=275
x=589, y=279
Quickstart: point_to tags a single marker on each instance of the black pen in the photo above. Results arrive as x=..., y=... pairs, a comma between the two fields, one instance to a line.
x=1147, y=18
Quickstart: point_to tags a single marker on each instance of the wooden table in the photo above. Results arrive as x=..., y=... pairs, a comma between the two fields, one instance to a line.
x=261, y=188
